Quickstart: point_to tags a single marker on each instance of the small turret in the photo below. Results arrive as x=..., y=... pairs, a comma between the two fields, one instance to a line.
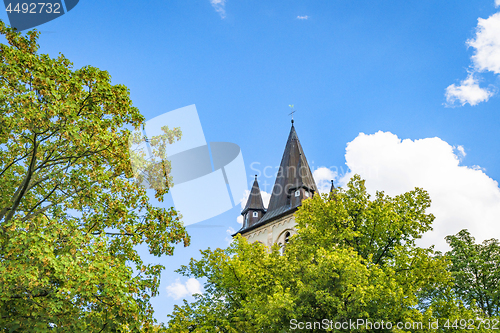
x=254, y=209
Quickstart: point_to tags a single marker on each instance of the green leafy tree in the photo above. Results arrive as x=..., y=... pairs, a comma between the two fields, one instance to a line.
x=353, y=258
x=476, y=269
x=71, y=212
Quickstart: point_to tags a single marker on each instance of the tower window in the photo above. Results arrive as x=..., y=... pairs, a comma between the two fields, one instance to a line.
x=287, y=237
x=255, y=214
x=297, y=193
x=283, y=245
x=306, y=194
x=246, y=219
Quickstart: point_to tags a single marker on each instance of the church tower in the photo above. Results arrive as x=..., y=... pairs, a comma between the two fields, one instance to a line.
x=294, y=183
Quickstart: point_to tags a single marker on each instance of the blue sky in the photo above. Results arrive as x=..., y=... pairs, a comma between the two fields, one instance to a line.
x=418, y=78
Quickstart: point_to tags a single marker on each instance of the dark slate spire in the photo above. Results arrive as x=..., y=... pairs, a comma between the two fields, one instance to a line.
x=332, y=188
x=294, y=175
x=293, y=172
x=254, y=201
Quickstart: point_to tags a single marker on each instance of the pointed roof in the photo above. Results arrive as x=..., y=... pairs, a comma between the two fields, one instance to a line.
x=332, y=188
x=254, y=201
x=293, y=173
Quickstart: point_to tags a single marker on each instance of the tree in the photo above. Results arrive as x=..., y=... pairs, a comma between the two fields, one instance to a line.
x=353, y=258
x=71, y=211
x=476, y=269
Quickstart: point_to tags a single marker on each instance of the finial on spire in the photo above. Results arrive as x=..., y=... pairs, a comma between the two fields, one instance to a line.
x=291, y=113
x=332, y=188
x=255, y=177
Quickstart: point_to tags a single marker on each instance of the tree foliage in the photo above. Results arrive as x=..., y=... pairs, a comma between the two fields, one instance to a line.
x=476, y=269
x=70, y=210
x=352, y=258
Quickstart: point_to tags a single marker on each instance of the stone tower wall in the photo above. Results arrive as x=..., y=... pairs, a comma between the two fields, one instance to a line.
x=273, y=232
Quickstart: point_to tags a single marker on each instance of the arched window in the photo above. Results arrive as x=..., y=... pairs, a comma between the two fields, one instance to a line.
x=297, y=193
x=287, y=237
x=246, y=220
x=255, y=214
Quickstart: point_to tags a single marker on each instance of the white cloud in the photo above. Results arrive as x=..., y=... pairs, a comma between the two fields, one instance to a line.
x=461, y=149
x=487, y=44
x=306, y=17
x=230, y=231
x=468, y=91
x=323, y=177
x=219, y=6
x=265, y=198
x=178, y=290
x=462, y=197
x=486, y=57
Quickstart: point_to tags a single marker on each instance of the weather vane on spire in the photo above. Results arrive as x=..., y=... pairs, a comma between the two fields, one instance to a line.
x=293, y=111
